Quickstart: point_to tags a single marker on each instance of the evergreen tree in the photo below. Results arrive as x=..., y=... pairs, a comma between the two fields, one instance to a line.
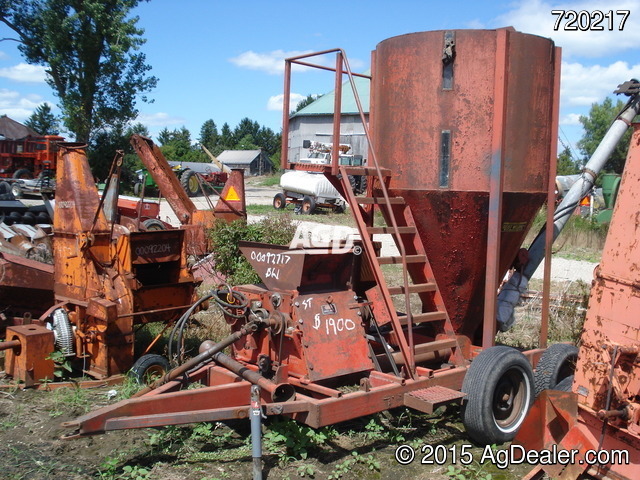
x=43, y=121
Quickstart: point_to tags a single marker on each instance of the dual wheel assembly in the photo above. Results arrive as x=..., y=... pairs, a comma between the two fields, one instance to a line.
x=501, y=386
x=307, y=204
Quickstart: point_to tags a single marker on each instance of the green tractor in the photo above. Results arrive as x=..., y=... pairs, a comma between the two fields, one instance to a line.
x=188, y=177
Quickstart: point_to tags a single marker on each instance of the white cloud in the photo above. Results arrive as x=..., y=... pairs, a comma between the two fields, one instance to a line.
x=583, y=85
x=17, y=106
x=275, y=102
x=570, y=119
x=24, y=72
x=160, y=119
x=534, y=16
x=271, y=62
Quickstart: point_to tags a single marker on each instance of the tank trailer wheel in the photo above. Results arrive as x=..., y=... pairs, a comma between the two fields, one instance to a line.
x=557, y=363
x=16, y=191
x=308, y=205
x=279, y=201
x=189, y=182
x=4, y=187
x=149, y=368
x=499, y=388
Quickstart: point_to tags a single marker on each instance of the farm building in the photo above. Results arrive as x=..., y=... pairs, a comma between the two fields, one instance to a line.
x=315, y=121
x=253, y=162
x=12, y=130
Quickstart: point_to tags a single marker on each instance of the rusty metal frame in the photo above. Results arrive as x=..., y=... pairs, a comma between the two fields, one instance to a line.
x=230, y=395
x=496, y=189
x=551, y=197
x=407, y=346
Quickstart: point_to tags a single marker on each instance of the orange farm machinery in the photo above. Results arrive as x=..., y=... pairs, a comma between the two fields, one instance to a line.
x=459, y=163
x=112, y=274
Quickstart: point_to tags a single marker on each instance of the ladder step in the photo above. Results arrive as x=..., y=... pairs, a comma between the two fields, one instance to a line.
x=398, y=260
x=423, y=317
x=429, y=399
x=401, y=230
x=369, y=171
x=379, y=200
x=417, y=288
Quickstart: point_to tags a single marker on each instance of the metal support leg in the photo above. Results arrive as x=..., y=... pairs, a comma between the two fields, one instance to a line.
x=256, y=433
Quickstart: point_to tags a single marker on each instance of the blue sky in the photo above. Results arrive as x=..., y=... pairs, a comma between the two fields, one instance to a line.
x=223, y=60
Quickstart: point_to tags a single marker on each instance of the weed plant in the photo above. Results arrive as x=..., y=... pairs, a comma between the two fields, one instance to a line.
x=225, y=237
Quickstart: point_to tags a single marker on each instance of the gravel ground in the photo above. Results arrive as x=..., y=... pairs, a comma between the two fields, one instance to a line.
x=562, y=269
x=565, y=269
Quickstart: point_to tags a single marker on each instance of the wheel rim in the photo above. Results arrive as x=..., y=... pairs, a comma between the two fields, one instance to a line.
x=193, y=184
x=511, y=399
x=153, y=373
x=278, y=203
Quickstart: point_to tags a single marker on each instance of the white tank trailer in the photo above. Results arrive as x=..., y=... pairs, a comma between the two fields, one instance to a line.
x=308, y=191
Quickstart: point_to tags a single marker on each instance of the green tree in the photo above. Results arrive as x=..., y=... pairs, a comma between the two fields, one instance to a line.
x=176, y=145
x=90, y=49
x=247, y=143
x=600, y=118
x=244, y=128
x=43, y=121
x=104, y=146
x=269, y=141
x=566, y=164
x=209, y=134
x=225, y=141
x=305, y=101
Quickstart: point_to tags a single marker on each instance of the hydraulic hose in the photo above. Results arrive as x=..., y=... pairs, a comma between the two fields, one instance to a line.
x=205, y=356
x=584, y=184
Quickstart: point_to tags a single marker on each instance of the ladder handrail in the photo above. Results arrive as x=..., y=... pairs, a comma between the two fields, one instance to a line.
x=394, y=223
x=343, y=67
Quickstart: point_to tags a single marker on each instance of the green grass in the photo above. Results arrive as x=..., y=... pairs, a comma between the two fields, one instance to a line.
x=581, y=239
x=271, y=180
x=263, y=210
x=321, y=216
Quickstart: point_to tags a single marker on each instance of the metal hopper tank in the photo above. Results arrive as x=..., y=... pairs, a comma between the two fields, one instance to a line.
x=459, y=116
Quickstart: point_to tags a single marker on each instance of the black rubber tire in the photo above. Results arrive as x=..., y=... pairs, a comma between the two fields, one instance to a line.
x=28, y=218
x=189, y=182
x=499, y=388
x=137, y=188
x=353, y=181
x=279, y=201
x=308, y=205
x=16, y=191
x=358, y=183
x=148, y=368
x=363, y=184
x=4, y=187
x=153, y=225
x=14, y=217
x=23, y=173
x=565, y=384
x=43, y=218
x=556, y=363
